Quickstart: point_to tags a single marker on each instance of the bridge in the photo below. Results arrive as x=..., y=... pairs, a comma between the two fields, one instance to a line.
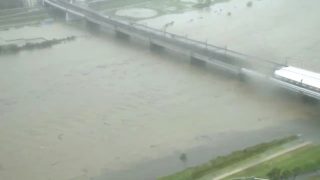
x=200, y=53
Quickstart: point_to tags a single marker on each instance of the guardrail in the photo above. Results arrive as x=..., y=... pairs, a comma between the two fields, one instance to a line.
x=201, y=49
x=150, y=32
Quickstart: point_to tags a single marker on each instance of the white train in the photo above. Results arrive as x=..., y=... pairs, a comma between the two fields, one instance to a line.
x=299, y=77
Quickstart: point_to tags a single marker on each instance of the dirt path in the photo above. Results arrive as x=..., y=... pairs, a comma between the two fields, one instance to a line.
x=259, y=161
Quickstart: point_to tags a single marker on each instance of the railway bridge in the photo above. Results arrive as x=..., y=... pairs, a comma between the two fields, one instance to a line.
x=200, y=53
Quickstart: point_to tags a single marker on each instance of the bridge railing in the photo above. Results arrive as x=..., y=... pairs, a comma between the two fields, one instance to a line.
x=162, y=35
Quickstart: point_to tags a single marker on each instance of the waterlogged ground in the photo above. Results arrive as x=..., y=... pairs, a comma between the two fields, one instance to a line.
x=102, y=108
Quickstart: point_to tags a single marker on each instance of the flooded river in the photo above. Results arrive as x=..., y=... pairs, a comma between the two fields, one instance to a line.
x=103, y=108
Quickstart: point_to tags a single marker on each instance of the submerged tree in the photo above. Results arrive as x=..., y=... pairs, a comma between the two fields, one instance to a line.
x=183, y=157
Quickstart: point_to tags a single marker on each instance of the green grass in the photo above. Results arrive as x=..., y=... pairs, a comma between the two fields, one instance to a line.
x=306, y=159
x=225, y=161
x=315, y=178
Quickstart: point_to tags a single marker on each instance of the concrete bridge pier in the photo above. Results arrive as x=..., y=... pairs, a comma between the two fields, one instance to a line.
x=122, y=35
x=69, y=16
x=308, y=100
x=241, y=75
x=155, y=47
x=92, y=26
x=196, y=61
x=44, y=4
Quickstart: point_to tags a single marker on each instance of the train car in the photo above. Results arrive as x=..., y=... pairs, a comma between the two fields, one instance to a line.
x=300, y=77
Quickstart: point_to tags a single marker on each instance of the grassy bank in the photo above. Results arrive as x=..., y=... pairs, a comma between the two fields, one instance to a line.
x=298, y=162
x=225, y=161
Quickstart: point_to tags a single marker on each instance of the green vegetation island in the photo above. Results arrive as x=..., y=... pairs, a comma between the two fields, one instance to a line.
x=14, y=48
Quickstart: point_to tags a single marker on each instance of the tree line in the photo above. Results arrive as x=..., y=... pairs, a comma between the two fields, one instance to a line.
x=14, y=48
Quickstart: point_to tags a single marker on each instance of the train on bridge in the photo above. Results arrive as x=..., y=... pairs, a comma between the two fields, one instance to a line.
x=292, y=78
x=299, y=77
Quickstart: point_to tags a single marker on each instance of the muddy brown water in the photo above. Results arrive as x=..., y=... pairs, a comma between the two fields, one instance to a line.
x=102, y=108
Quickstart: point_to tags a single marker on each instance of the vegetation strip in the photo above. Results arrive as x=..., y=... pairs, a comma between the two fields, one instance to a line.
x=287, y=166
x=225, y=161
x=14, y=48
x=262, y=160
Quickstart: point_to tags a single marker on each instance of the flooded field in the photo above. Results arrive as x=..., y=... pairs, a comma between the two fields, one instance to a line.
x=264, y=29
x=102, y=108
x=137, y=13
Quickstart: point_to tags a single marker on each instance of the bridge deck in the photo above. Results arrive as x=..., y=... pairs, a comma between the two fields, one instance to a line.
x=226, y=59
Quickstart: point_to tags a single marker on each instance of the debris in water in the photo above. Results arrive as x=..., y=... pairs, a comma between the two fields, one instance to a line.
x=60, y=136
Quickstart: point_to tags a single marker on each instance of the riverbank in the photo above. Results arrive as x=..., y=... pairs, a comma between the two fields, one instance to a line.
x=296, y=163
x=284, y=158
x=218, y=166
